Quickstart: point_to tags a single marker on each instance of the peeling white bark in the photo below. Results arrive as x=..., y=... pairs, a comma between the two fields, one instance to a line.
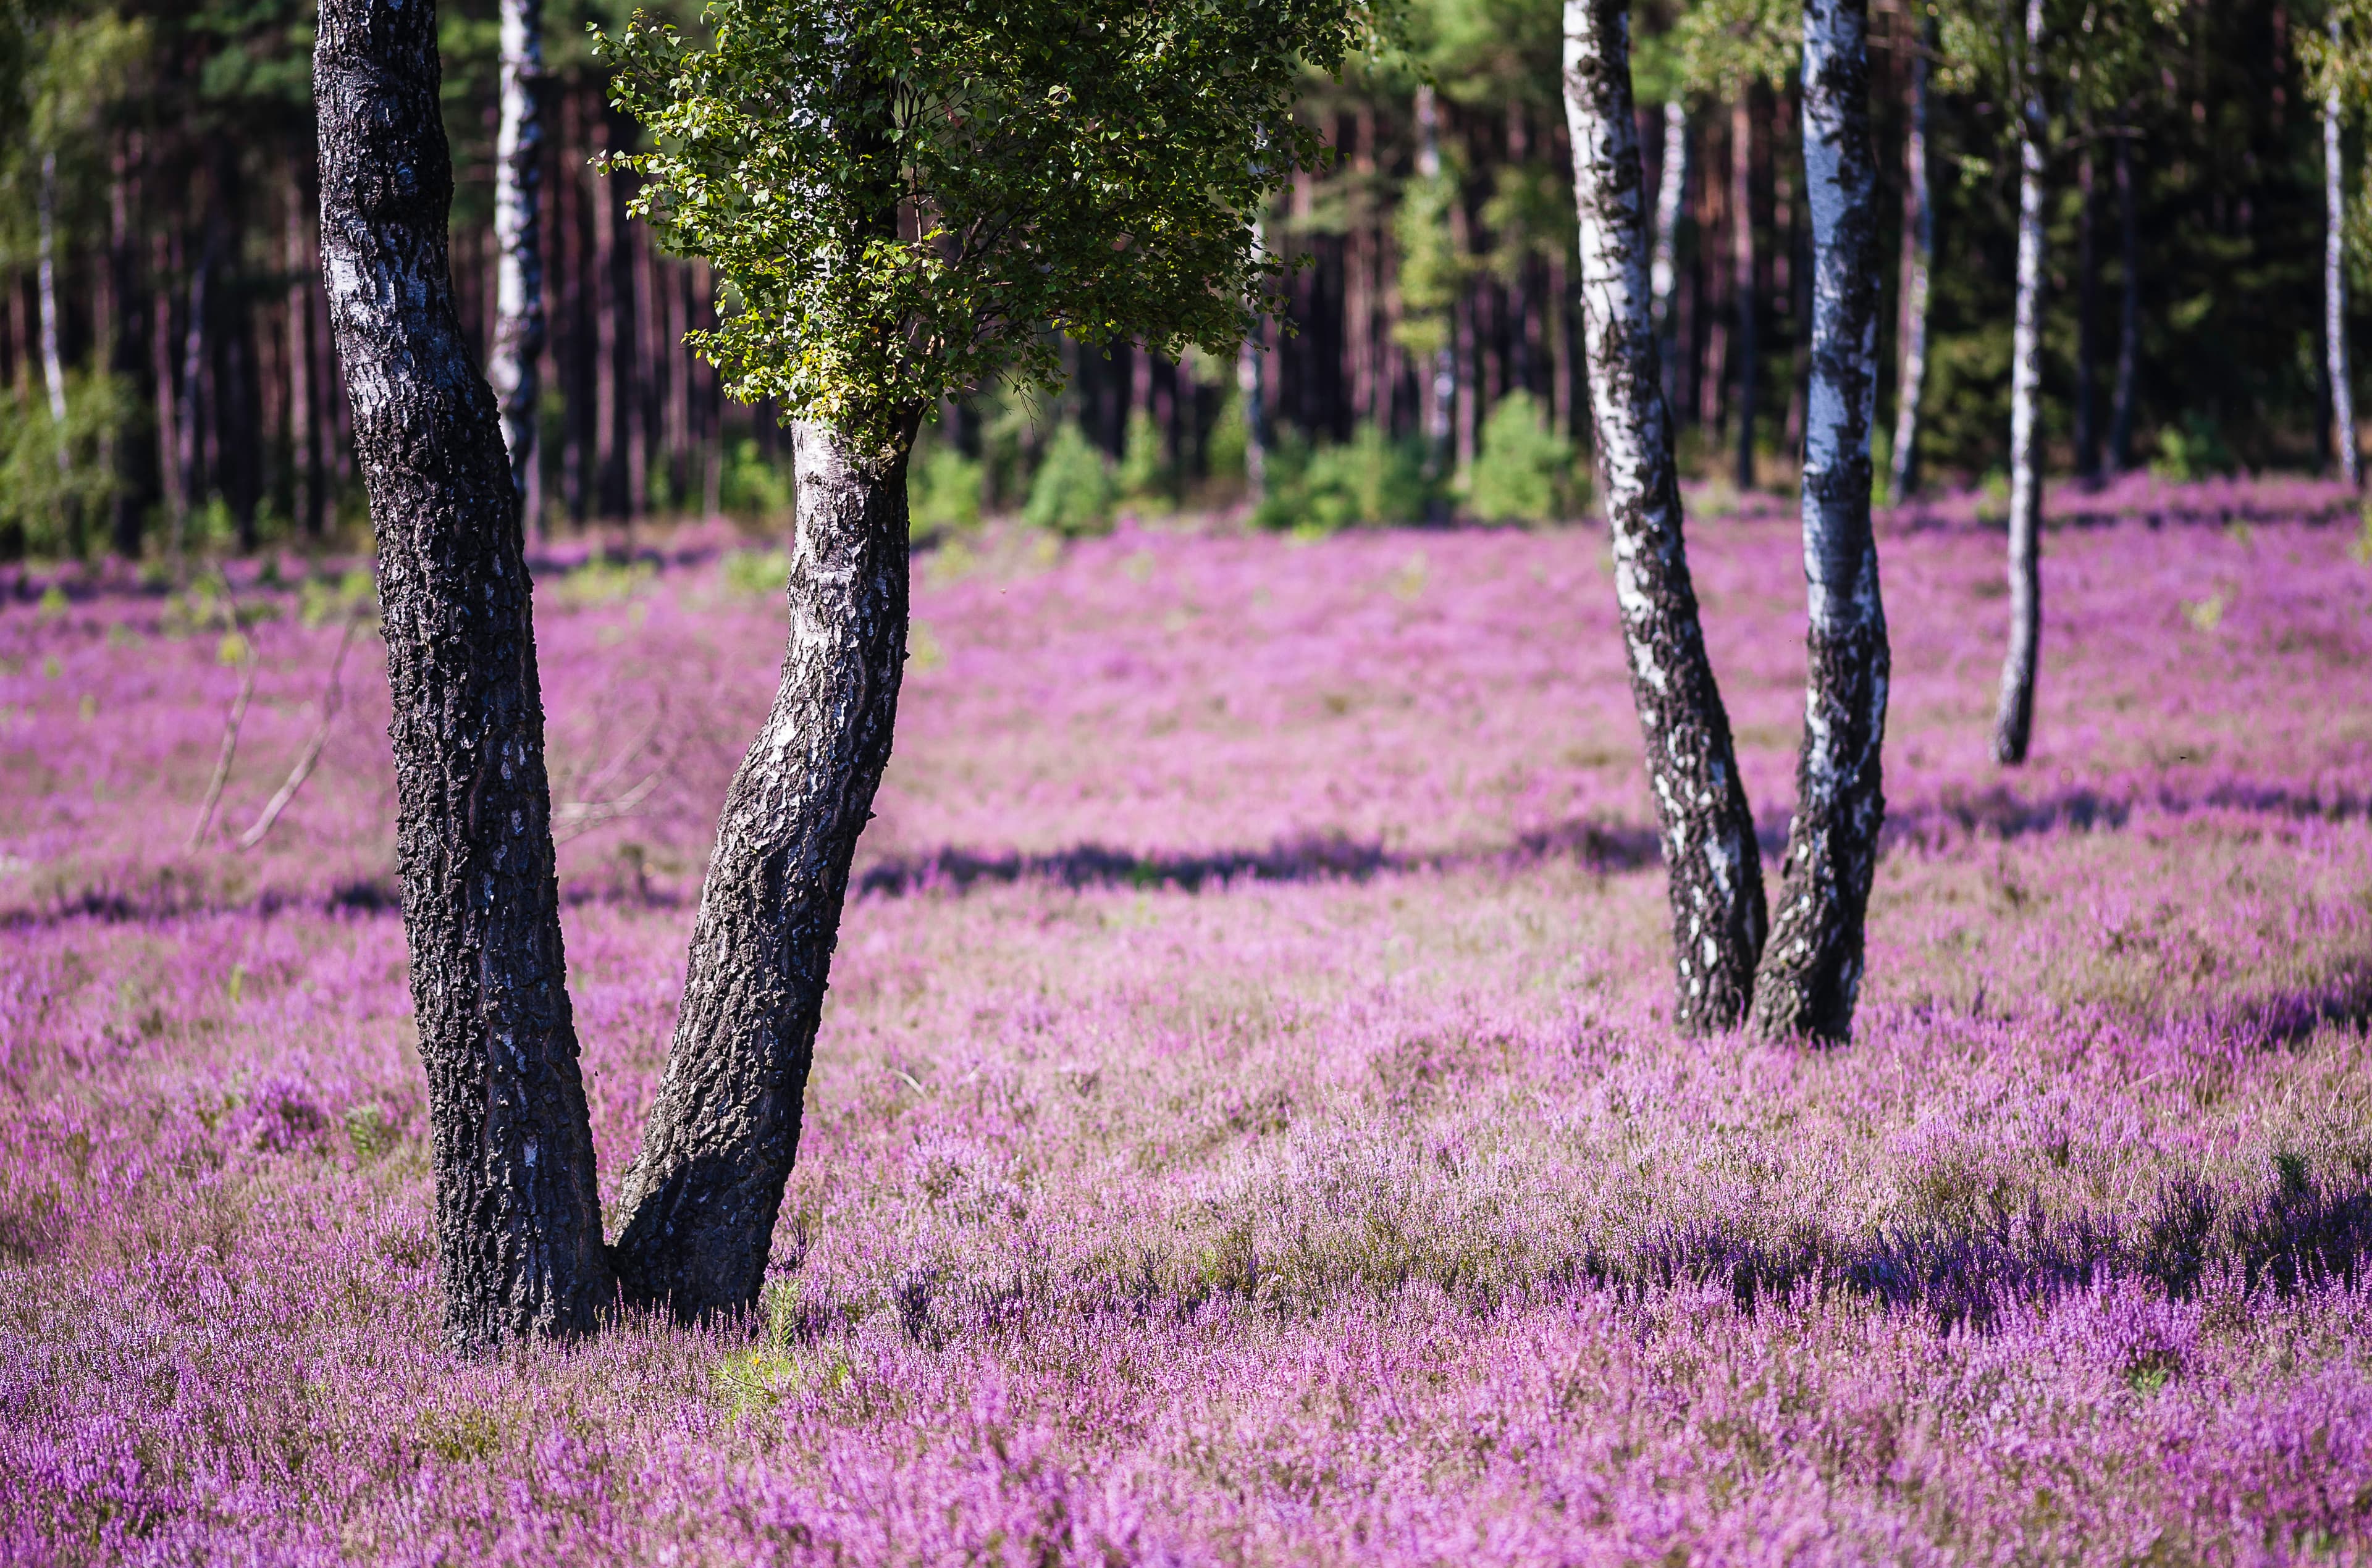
x=1710, y=852
x=1671, y=189
x=518, y=271
x=2014, y=720
x=1810, y=972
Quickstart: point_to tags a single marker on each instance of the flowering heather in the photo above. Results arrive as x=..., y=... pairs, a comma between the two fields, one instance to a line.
x=1245, y=1127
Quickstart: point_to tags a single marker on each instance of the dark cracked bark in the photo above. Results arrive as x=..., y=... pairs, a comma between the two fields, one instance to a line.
x=701, y=1200
x=1710, y=852
x=519, y=1224
x=1811, y=966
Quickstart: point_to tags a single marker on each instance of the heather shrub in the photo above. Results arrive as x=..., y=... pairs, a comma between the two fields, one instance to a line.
x=1073, y=491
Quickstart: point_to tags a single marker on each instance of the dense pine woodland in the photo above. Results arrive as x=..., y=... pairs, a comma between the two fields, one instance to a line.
x=164, y=297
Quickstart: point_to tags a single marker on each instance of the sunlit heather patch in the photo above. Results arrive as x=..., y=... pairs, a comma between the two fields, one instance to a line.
x=1245, y=1128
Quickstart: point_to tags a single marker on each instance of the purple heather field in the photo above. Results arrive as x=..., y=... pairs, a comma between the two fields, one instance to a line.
x=1245, y=1127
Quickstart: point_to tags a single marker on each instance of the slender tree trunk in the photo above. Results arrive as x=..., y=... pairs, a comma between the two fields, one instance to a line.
x=1709, y=851
x=1441, y=394
x=1741, y=263
x=53, y=373
x=1918, y=257
x=608, y=423
x=518, y=1222
x=701, y=1200
x=160, y=368
x=2335, y=283
x=1810, y=972
x=121, y=356
x=303, y=430
x=518, y=240
x=2014, y=721
x=1671, y=189
x=1252, y=383
x=2088, y=327
x=2129, y=312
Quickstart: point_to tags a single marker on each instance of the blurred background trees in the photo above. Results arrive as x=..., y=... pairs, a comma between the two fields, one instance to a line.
x=169, y=143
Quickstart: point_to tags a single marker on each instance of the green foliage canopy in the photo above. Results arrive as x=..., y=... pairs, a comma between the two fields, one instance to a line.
x=903, y=197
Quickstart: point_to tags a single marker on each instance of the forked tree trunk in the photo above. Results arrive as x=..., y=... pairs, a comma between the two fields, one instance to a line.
x=2334, y=282
x=1710, y=853
x=1810, y=973
x=518, y=1222
x=701, y=1200
x=2014, y=719
x=518, y=268
x=1671, y=189
x=1918, y=259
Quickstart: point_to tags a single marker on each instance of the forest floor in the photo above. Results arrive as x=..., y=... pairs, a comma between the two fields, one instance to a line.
x=1246, y=1126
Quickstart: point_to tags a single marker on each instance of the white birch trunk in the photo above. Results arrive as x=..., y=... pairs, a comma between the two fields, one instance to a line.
x=1671, y=188
x=1250, y=384
x=1918, y=257
x=1810, y=973
x=1710, y=852
x=2014, y=720
x=2335, y=283
x=518, y=273
x=1441, y=388
x=54, y=373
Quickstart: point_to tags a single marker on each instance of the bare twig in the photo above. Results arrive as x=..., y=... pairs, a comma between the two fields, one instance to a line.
x=576, y=817
x=231, y=722
x=332, y=697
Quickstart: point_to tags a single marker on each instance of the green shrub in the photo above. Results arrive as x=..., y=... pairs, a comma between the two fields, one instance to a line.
x=943, y=491
x=1367, y=482
x=1073, y=491
x=1525, y=470
x=753, y=488
x=1223, y=454
x=1145, y=464
x=2194, y=450
x=44, y=511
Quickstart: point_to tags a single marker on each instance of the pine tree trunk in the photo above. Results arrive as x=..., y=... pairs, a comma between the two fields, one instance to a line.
x=2088, y=327
x=2334, y=283
x=1710, y=852
x=1810, y=972
x=1671, y=188
x=701, y=1200
x=518, y=240
x=2129, y=312
x=303, y=430
x=518, y=1222
x=161, y=370
x=1741, y=262
x=2014, y=720
x=1918, y=257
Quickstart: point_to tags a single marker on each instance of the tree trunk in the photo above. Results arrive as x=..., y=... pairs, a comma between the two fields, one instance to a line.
x=54, y=373
x=1810, y=973
x=518, y=277
x=1252, y=383
x=2334, y=283
x=303, y=430
x=2014, y=720
x=160, y=370
x=1918, y=257
x=518, y=1222
x=2088, y=327
x=1671, y=188
x=701, y=1200
x=1441, y=393
x=2129, y=312
x=1710, y=853
x=1741, y=263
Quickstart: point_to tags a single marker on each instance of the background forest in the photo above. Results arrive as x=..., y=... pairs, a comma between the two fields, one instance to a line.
x=1428, y=358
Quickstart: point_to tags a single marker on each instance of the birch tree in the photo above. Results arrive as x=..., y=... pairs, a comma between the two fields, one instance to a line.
x=2014, y=714
x=518, y=277
x=1663, y=272
x=518, y=1221
x=1711, y=856
x=2332, y=67
x=1810, y=971
x=902, y=198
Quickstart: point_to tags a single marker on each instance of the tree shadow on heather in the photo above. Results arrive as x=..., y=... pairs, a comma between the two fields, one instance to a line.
x=2002, y=812
x=1310, y=858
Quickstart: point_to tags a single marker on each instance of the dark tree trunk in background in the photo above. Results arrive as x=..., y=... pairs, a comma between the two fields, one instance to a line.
x=2087, y=326
x=1918, y=258
x=1741, y=263
x=700, y=1204
x=2014, y=720
x=518, y=1222
x=1710, y=853
x=518, y=346
x=1810, y=972
x=2129, y=312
